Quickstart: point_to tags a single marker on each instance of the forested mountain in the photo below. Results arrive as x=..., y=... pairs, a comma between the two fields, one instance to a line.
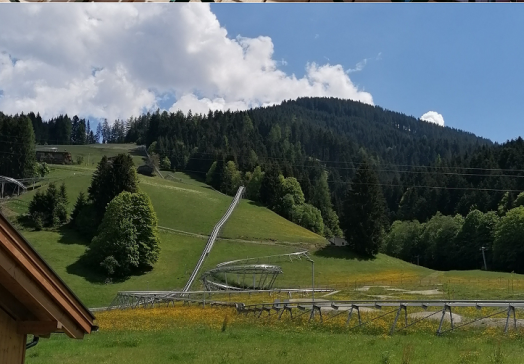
x=299, y=159
x=305, y=137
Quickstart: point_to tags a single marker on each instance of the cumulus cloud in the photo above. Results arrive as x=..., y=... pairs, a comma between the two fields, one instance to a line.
x=113, y=61
x=433, y=117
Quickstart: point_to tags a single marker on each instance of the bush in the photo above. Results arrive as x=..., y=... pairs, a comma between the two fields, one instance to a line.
x=308, y=216
x=48, y=209
x=127, y=239
x=41, y=169
x=165, y=164
x=79, y=159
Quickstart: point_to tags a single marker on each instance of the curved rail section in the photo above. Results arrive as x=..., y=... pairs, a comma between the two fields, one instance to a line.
x=5, y=179
x=212, y=238
x=250, y=273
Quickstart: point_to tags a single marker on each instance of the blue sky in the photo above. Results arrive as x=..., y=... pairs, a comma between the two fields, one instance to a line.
x=464, y=61
x=100, y=60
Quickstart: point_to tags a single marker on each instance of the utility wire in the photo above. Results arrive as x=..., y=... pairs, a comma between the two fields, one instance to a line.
x=380, y=169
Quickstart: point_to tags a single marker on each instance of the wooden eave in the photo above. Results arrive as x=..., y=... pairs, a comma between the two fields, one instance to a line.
x=33, y=294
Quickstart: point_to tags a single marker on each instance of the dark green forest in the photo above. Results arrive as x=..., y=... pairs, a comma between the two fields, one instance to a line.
x=300, y=158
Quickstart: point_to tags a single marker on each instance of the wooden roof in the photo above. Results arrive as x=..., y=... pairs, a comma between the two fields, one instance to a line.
x=33, y=294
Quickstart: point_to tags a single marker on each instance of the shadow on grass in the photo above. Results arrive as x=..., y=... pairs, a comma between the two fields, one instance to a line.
x=69, y=236
x=85, y=268
x=341, y=252
x=137, y=151
x=256, y=203
x=24, y=221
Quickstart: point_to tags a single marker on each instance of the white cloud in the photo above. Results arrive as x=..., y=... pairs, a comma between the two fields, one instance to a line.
x=359, y=67
x=113, y=61
x=433, y=117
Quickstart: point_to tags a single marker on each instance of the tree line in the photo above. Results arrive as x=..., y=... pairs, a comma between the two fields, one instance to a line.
x=65, y=130
x=478, y=240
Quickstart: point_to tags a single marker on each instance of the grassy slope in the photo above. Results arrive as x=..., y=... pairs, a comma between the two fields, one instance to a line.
x=186, y=204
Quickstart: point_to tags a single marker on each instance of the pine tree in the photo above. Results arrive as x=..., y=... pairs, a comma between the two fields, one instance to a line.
x=89, y=133
x=270, y=188
x=98, y=134
x=364, y=212
x=110, y=179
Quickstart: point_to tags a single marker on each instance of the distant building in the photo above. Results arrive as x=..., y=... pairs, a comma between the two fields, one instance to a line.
x=338, y=241
x=54, y=156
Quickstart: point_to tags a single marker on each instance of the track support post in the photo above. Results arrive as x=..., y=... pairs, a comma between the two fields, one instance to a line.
x=400, y=308
x=444, y=310
x=511, y=309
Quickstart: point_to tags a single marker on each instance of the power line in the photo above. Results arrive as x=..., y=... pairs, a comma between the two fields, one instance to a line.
x=376, y=169
x=408, y=186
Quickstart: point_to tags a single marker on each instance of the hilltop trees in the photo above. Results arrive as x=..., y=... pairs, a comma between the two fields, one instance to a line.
x=17, y=147
x=363, y=219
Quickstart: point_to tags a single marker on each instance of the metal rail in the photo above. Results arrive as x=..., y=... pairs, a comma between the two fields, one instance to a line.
x=212, y=238
x=329, y=309
x=252, y=273
x=5, y=179
x=136, y=299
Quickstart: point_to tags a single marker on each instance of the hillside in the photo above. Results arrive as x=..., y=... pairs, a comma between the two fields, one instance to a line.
x=191, y=207
x=308, y=137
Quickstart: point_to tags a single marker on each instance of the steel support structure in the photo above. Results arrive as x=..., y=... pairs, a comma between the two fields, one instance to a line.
x=329, y=309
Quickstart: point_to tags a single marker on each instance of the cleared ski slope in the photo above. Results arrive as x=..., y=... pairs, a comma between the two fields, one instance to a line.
x=212, y=238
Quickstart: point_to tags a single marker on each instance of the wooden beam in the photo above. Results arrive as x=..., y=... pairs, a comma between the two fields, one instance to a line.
x=38, y=327
x=37, y=299
x=12, y=306
x=21, y=250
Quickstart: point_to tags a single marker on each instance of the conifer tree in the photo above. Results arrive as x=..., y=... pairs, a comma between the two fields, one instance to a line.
x=364, y=212
x=110, y=179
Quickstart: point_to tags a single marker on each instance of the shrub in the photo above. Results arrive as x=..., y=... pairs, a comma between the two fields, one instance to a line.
x=308, y=216
x=41, y=169
x=79, y=159
x=48, y=209
x=165, y=163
